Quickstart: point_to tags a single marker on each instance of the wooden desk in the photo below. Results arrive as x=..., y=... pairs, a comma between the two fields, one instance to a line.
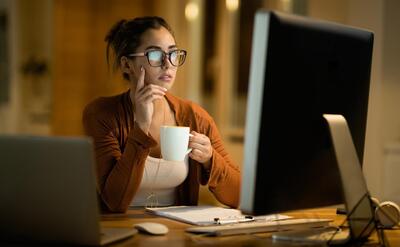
x=178, y=237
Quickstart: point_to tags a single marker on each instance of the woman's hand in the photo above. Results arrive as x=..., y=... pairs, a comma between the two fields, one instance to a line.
x=201, y=149
x=143, y=97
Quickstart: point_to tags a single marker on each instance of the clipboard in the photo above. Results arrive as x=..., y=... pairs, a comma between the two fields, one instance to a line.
x=210, y=215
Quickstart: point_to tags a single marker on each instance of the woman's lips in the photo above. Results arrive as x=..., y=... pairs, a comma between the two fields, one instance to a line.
x=166, y=78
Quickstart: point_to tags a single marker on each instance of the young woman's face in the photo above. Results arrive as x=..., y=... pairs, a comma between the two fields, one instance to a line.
x=156, y=39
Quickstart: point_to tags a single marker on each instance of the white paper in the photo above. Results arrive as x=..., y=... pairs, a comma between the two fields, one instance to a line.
x=205, y=215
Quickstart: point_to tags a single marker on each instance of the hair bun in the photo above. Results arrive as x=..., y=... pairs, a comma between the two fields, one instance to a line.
x=114, y=31
x=112, y=37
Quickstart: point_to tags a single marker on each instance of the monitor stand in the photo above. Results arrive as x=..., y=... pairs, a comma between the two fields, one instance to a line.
x=359, y=210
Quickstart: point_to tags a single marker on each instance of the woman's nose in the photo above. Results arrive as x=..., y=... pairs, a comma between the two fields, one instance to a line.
x=166, y=63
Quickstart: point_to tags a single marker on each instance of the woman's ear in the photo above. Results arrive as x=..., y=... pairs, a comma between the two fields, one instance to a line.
x=126, y=66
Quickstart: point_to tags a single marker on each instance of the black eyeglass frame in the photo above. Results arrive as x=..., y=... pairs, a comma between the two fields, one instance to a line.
x=168, y=54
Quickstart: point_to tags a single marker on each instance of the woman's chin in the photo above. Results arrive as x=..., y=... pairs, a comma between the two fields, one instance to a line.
x=166, y=84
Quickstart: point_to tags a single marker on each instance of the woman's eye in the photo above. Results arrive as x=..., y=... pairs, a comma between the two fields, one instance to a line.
x=155, y=55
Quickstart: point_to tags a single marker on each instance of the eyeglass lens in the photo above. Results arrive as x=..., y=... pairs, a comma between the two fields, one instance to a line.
x=157, y=57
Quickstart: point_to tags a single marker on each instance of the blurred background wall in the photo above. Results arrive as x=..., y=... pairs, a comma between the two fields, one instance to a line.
x=52, y=63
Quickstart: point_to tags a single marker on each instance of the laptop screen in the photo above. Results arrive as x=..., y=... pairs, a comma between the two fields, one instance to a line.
x=48, y=190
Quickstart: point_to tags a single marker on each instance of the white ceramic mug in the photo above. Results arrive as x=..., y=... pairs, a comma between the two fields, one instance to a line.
x=174, y=141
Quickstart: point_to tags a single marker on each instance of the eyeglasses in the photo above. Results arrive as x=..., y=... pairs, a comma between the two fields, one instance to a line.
x=156, y=58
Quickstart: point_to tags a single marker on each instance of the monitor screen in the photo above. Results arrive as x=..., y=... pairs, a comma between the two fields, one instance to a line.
x=301, y=68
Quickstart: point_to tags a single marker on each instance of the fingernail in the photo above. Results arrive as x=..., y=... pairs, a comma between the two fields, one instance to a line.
x=141, y=68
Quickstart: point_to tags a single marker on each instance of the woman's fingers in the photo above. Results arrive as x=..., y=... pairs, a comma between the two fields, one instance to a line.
x=140, y=82
x=144, y=96
x=150, y=87
x=196, y=154
x=201, y=147
x=144, y=91
x=151, y=98
x=150, y=90
x=199, y=138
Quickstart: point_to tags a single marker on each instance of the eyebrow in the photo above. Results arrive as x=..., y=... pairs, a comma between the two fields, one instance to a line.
x=159, y=48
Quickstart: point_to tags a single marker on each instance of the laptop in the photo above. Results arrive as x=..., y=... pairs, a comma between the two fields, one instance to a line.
x=48, y=192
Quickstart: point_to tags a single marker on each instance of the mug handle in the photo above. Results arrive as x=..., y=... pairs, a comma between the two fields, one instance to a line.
x=189, y=149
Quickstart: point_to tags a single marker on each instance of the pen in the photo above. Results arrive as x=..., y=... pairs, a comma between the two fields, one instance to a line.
x=246, y=218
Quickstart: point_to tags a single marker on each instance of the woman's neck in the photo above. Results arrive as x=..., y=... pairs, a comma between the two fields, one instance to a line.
x=160, y=107
x=162, y=115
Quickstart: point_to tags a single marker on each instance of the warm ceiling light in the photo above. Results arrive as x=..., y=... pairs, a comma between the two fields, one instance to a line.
x=191, y=11
x=232, y=5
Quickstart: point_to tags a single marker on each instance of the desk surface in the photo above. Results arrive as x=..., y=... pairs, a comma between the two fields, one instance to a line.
x=178, y=237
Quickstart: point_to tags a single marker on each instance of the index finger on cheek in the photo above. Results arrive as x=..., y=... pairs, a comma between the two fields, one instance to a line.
x=140, y=83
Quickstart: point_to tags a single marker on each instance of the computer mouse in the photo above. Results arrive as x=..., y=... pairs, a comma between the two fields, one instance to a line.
x=152, y=228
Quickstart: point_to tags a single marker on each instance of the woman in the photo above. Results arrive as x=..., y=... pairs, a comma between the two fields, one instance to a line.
x=126, y=127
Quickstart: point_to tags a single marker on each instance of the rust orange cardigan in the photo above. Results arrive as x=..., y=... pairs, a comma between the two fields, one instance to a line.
x=121, y=149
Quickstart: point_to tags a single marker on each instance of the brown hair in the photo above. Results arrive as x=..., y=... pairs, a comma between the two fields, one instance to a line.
x=124, y=36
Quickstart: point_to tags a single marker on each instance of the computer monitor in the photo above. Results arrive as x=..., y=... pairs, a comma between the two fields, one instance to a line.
x=301, y=68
